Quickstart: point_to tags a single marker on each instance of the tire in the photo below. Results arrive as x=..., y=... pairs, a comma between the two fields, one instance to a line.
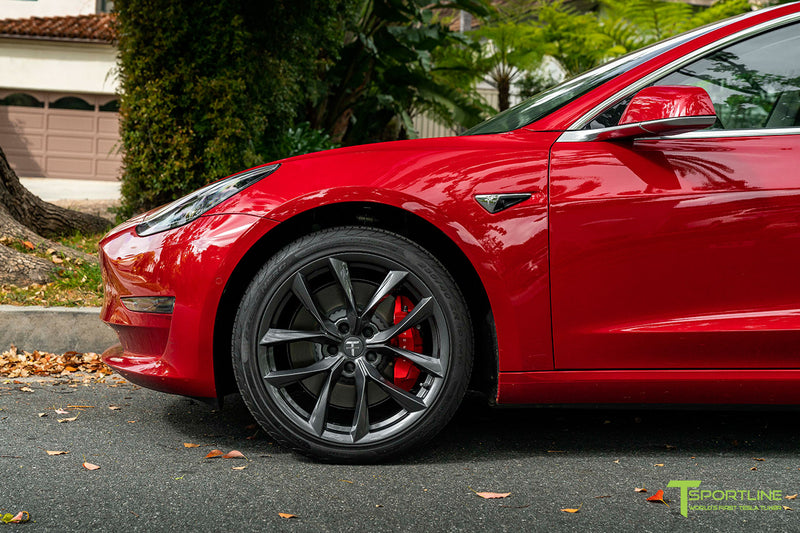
x=328, y=361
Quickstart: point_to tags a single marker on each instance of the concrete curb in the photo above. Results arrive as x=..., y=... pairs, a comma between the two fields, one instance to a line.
x=54, y=329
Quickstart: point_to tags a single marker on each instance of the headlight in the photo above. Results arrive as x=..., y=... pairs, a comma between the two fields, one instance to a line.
x=184, y=210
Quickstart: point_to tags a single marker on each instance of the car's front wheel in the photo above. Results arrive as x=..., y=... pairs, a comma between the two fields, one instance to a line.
x=352, y=344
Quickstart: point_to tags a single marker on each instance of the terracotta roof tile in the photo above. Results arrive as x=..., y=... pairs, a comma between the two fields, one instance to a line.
x=95, y=28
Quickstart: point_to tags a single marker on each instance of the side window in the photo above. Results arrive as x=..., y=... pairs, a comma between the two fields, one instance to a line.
x=754, y=83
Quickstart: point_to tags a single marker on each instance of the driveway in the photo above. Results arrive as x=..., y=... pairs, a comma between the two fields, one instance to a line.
x=547, y=459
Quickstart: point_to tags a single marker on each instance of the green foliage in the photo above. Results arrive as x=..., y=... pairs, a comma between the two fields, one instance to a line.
x=507, y=50
x=207, y=86
x=636, y=23
x=302, y=139
x=386, y=73
x=576, y=40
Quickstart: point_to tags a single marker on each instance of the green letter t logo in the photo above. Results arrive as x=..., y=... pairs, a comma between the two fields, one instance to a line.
x=685, y=485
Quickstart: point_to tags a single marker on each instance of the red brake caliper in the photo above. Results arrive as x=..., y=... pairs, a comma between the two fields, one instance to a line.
x=405, y=372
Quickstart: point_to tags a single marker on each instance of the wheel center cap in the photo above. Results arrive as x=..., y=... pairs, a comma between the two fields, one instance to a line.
x=353, y=346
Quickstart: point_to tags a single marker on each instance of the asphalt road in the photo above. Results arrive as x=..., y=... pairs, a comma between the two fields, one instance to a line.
x=548, y=459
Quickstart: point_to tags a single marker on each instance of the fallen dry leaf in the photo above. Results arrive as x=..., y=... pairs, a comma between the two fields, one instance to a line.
x=114, y=407
x=493, y=495
x=758, y=459
x=572, y=511
x=62, y=420
x=287, y=515
x=659, y=464
x=791, y=497
x=190, y=445
x=233, y=454
x=787, y=508
x=658, y=497
x=90, y=466
x=239, y=467
x=57, y=260
x=41, y=415
x=54, y=452
x=754, y=468
x=29, y=245
x=215, y=453
x=61, y=412
x=642, y=489
x=19, y=518
x=16, y=363
x=26, y=389
x=346, y=481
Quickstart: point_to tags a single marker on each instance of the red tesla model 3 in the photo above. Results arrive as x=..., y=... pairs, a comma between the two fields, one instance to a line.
x=629, y=236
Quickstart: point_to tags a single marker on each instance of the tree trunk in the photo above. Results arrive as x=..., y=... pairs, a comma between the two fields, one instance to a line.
x=503, y=93
x=43, y=218
x=25, y=218
x=22, y=269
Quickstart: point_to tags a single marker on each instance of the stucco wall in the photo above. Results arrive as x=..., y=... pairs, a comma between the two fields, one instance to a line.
x=16, y=9
x=58, y=66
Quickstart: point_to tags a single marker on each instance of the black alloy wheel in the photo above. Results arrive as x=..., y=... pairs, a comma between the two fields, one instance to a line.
x=352, y=344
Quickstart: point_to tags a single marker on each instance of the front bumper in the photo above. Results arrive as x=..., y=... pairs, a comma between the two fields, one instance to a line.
x=173, y=352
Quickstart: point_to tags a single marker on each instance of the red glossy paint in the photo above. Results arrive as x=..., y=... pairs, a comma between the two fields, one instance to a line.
x=172, y=353
x=668, y=266
x=661, y=102
x=693, y=251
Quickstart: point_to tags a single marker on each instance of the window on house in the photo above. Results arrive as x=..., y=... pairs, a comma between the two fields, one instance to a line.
x=112, y=106
x=105, y=6
x=72, y=102
x=21, y=100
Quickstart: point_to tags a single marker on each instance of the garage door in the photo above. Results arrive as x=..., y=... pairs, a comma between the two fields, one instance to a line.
x=61, y=135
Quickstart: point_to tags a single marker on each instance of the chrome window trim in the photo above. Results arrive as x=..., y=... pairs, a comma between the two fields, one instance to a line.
x=717, y=134
x=678, y=63
x=592, y=135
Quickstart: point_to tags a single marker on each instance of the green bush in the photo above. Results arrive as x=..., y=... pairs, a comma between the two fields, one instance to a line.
x=302, y=139
x=208, y=87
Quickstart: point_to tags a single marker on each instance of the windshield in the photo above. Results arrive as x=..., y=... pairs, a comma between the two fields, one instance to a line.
x=552, y=99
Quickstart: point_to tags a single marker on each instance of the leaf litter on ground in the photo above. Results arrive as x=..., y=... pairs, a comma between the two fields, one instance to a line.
x=15, y=363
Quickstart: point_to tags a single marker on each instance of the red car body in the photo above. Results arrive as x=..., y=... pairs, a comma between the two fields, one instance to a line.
x=655, y=269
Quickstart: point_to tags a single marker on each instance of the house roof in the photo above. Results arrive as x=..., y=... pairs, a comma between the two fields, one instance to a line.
x=97, y=28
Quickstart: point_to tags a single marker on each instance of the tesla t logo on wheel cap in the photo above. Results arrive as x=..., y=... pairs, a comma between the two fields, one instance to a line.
x=353, y=346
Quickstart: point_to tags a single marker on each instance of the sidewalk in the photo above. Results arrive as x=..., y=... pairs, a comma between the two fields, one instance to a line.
x=54, y=329
x=50, y=189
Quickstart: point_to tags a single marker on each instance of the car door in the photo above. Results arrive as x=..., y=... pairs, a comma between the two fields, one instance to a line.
x=684, y=251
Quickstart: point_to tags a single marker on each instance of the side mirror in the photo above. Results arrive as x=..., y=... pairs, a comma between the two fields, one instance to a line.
x=665, y=110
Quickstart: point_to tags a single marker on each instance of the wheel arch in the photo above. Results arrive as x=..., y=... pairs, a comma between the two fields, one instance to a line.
x=382, y=216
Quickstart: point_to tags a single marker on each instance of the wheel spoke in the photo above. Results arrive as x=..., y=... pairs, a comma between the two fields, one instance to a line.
x=279, y=336
x=360, y=426
x=300, y=289
x=407, y=401
x=320, y=412
x=389, y=282
x=431, y=364
x=342, y=272
x=282, y=378
x=422, y=311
